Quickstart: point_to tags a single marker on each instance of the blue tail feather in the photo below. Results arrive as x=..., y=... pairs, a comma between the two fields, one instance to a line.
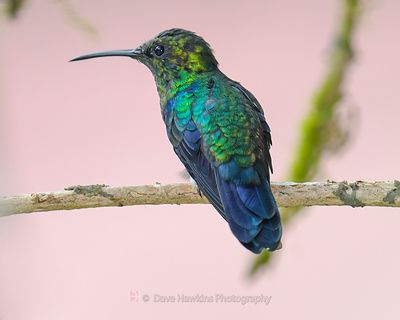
x=234, y=207
x=242, y=234
x=252, y=214
x=258, y=199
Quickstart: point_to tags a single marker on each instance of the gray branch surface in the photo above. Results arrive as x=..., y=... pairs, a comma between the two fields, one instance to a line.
x=287, y=194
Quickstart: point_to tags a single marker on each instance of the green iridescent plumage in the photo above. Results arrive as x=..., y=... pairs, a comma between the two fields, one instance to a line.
x=218, y=131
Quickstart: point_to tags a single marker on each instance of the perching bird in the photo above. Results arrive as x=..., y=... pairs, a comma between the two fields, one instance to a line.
x=218, y=131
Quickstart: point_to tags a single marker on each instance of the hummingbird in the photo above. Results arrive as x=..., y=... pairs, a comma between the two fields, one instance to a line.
x=218, y=131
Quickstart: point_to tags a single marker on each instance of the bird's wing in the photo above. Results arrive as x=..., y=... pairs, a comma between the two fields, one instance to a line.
x=202, y=172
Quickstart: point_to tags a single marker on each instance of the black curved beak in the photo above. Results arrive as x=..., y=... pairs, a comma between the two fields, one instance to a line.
x=132, y=53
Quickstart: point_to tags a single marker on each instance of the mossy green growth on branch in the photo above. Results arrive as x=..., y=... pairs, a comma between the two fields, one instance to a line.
x=314, y=132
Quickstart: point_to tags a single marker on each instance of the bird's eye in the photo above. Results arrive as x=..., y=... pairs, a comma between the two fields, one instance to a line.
x=159, y=50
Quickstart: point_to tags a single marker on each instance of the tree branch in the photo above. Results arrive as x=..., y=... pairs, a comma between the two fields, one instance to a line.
x=287, y=194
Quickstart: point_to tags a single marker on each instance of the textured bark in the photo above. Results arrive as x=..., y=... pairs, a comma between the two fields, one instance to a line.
x=287, y=194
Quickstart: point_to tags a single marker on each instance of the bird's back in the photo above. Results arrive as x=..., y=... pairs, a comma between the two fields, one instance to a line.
x=219, y=132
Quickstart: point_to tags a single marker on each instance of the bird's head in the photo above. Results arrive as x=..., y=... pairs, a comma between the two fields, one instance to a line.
x=171, y=55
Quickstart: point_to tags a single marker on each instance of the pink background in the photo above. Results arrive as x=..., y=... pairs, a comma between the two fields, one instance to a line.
x=99, y=122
